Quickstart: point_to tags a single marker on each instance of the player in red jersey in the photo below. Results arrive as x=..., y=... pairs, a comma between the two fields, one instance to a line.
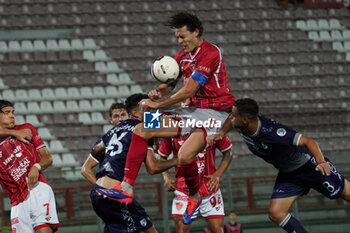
x=32, y=199
x=206, y=84
x=211, y=207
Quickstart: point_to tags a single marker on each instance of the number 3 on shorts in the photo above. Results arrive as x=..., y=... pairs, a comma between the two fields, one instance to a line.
x=47, y=209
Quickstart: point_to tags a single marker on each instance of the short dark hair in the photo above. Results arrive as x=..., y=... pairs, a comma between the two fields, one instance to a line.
x=180, y=19
x=5, y=103
x=116, y=106
x=132, y=101
x=248, y=107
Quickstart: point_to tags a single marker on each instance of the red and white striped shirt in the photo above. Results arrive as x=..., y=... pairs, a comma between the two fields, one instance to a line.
x=205, y=161
x=206, y=65
x=16, y=160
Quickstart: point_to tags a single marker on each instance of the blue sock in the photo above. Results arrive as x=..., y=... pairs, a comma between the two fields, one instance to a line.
x=292, y=225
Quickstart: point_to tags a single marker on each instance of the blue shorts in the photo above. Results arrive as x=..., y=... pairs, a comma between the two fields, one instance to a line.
x=118, y=217
x=299, y=182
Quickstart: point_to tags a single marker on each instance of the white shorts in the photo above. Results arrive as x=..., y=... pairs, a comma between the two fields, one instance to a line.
x=36, y=211
x=212, y=206
x=212, y=120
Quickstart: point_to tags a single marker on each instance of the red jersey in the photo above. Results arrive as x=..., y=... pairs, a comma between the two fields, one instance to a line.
x=206, y=65
x=205, y=161
x=16, y=160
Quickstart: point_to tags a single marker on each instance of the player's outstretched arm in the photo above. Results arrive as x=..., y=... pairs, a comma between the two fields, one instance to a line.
x=45, y=162
x=91, y=162
x=214, y=179
x=155, y=166
x=226, y=127
x=184, y=93
x=313, y=147
x=23, y=135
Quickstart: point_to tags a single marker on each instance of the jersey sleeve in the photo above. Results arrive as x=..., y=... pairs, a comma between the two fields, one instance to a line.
x=36, y=139
x=97, y=157
x=165, y=148
x=224, y=144
x=285, y=135
x=207, y=66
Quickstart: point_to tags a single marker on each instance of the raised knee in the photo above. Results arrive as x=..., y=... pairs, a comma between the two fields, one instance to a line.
x=276, y=216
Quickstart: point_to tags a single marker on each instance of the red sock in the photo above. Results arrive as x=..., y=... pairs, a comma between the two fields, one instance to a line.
x=136, y=155
x=190, y=171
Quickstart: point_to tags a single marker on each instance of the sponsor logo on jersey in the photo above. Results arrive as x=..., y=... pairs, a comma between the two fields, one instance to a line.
x=18, y=151
x=143, y=222
x=281, y=132
x=8, y=159
x=16, y=173
x=201, y=166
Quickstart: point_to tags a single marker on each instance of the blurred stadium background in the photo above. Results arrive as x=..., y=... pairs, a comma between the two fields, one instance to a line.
x=64, y=62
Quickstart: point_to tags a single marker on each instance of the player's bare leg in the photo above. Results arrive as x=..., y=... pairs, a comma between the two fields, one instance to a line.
x=180, y=227
x=216, y=225
x=279, y=214
x=346, y=192
x=44, y=230
x=279, y=208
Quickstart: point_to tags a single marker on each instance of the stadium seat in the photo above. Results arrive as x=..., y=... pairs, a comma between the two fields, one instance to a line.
x=98, y=92
x=72, y=106
x=136, y=89
x=33, y=119
x=89, y=43
x=113, y=79
x=312, y=24
x=338, y=46
x=19, y=119
x=52, y=45
x=33, y=107
x=97, y=105
x=313, y=35
x=48, y=94
x=336, y=35
x=69, y=159
x=85, y=106
x=27, y=46
x=323, y=24
x=301, y=24
x=2, y=85
x=124, y=91
x=14, y=46
x=73, y=93
x=86, y=92
x=97, y=118
x=61, y=93
x=21, y=95
x=335, y=24
x=45, y=134
x=56, y=146
x=3, y=47
x=77, y=44
x=84, y=118
x=64, y=44
x=34, y=94
x=108, y=103
x=57, y=161
x=346, y=35
x=39, y=45
x=20, y=108
x=124, y=78
x=112, y=92
x=347, y=46
x=59, y=106
x=325, y=36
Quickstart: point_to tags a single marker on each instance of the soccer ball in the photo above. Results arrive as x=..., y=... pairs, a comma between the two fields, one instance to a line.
x=165, y=69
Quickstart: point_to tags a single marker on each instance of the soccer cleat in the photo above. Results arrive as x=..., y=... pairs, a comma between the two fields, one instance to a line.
x=191, y=211
x=116, y=193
